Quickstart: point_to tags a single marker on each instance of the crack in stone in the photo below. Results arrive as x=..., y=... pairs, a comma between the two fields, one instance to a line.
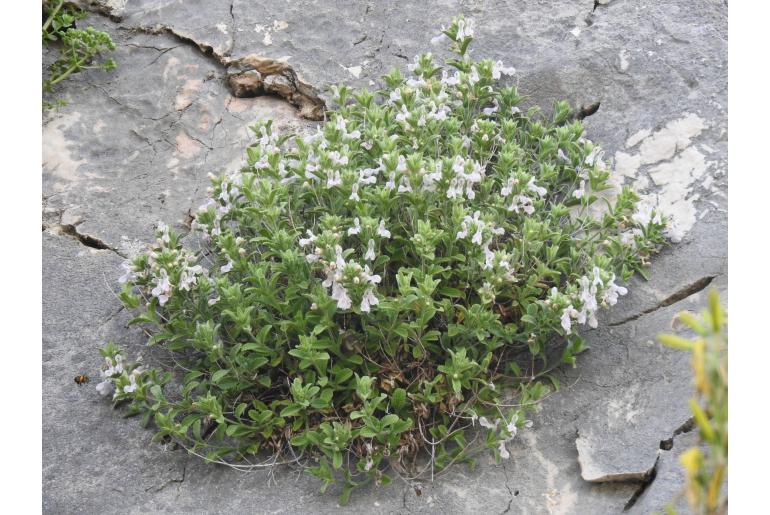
x=675, y=297
x=85, y=239
x=665, y=445
x=646, y=482
x=686, y=427
x=512, y=494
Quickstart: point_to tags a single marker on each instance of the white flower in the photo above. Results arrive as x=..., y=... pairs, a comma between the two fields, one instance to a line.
x=596, y=158
x=484, y=422
x=370, y=251
x=227, y=267
x=464, y=28
x=581, y=191
x=489, y=111
x=561, y=155
x=566, y=318
x=340, y=294
x=391, y=184
x=508, y=188
x=531, y=186
x=369, y=299
x=504, y=454
x=356, y=227
x=612, y=292
x=395, y=95
x=477, y=235
x=498, y=69
x=105, y=387
x=450, y=81
x=354, y=192
x=304, y=242
x=522, y=202
x=162, y=290
x=455, y=188
x=403, y=114
x=382, y=231
x=404, y=186
x=372, y=278
x=333, y=179
x=129, y=274
x=130, y=387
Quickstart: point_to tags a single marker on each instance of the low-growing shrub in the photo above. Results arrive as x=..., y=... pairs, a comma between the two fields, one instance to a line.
x=381, y=295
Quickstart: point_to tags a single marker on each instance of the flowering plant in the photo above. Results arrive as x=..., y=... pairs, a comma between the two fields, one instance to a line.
x=371, y=292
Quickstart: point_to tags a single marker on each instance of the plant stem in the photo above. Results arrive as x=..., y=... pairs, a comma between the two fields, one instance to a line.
x=53, y=13
x=69, y=70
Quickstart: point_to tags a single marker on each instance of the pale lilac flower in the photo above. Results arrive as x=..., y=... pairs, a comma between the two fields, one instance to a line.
x=455, y=188
x=531, y=186
x=595, y=157
x=382, y=231
x=334, y=179
x=489, y=111
x=162, y=289
x=369, y=299
x=566, y=318
x=131, y=387
x=227, y=266
x=450, y=81
x=129, y=274
x=612, y=292
x=498, y=69
x=465, y=28
x=508, y=188
x=356, y=227
x=371, y=278
x=304, y=242
x=581, y=191
x=403, y=114
x=370, y=251
x=340, y=294
x=391, y=184
x=484, y=422
x=522, y=202
x=477, y=235
x=354, y=192
x=404, y=186
x=504, y=454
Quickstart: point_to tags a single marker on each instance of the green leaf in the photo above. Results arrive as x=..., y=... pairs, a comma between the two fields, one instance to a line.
x=218, y=375
x=398, y=398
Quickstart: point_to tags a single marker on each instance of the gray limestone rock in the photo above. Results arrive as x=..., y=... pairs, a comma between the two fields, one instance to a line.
x=135, y=146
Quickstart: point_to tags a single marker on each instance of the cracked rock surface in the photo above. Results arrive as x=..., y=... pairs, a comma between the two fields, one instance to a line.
x=134, y=146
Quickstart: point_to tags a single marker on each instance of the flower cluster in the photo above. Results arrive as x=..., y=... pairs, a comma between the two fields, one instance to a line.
x=363, y=287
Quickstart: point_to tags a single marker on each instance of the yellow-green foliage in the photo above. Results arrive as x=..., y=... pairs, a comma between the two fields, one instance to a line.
x=706, y=471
